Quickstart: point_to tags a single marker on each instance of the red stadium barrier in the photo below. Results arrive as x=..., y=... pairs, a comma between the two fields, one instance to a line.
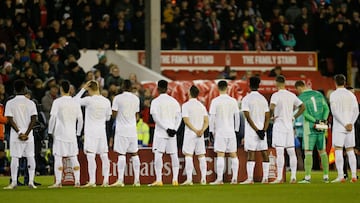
x=147, y=171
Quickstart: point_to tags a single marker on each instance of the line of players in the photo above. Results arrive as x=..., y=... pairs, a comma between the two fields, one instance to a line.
x=223, y=120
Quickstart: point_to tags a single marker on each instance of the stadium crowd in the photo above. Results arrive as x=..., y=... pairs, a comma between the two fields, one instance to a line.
x=40, y=40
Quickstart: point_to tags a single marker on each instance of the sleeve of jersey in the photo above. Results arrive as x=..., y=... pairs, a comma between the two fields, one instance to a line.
x=80, y=122
x=355, y=111
x=244, y=105
x=212, y=114
x=335, y=112
x=308, y=116
x=326, y=109
x=8, y=111
x=78, y=97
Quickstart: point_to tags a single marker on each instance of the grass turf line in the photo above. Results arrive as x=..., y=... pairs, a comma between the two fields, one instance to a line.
x=317, y=191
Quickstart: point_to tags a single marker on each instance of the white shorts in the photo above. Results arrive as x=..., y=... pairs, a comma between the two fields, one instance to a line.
x=165, y=145
x=253, y=143
x=96, y=145
x=194, y=144
x=123, y=145
x=283, y=139
x=343, y=139
x=22, y=149
x=65, y=149
x=227, y=145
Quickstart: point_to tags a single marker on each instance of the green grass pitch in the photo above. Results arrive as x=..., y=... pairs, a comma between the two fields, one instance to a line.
x=317, y=191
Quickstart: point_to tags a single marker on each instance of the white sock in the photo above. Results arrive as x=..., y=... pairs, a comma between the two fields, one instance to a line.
x=293, y=161
x=175, y=166
x=265, y=166
x=105, y=167
x=339, y=162
x=280, y=162
x=158, y=165
x=203, y=170
x=189, y=167
x=32, y=165
x=352, y=163
x=234, y=168
x=58, y=169
x=136, y=167
x=220, y=168
x=91, y=167
x=76, y=168
x=250, y=165
x=14, y=165
x=121, y=167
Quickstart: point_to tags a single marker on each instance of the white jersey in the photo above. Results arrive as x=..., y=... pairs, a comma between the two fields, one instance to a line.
x=344, y=108
x=97, y=112
x=224, y=116
x=257, y=106
x=166, y=113
x=195, y=111
x=126, y=105
x=66, y=120
x=20, y=109
x=284, y=101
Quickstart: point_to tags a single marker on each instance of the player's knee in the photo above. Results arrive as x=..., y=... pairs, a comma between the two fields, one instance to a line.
x=76, y=168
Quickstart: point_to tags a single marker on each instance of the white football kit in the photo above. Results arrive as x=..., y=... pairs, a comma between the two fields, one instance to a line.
x=126, y=105
x=65, y=124
x=345, y=110
x=224, y=121
x=21, y=109
x=195, y=111
x=283, y=133
x=257, y=106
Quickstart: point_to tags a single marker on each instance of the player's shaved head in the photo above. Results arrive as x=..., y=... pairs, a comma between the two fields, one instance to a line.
x=254, y=83
x=65, y=86
x=93, y=86
x=162, y=86
x=127, y=85
x=280, y=79
x=299, y=83
x=19, y=86
x=340, y=80
x=194, y=91
x=222, y=85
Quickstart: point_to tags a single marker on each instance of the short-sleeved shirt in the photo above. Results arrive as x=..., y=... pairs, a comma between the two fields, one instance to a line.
x=195, y=111
x=126, y=105
x=65, y=112
x=224, y=109
x=166, y=109
x=284, y=101
x=257, y=106
x=97, y=112
x=20, y=109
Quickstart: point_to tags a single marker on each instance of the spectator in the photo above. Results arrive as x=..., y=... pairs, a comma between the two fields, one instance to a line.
x=304, y=38
x=268, y=36
x=48, y=99
x=99, y=78
x=75, y=74
x=45, y=73
x=114, y=78
x=138, y=30
x=292, y=12
x=87, y=36
x=101, y=65
x=287, y=39
x=198, y=37
x=340, y=46
x=54, y=32
x=143, y=131
x=67, y=48
x=122, y=36
x=276, y=71
x=41, y=42
x=214, y=26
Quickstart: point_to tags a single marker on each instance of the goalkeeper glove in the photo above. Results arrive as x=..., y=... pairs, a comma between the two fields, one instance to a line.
x=261, y=134
x=171, y=132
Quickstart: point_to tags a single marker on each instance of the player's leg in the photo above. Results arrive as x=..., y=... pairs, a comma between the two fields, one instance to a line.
x=91, y=168
x=219, y=148
x=136, y=167
x=308, y=145
x=189, y=167
x=201, y=151
x=76, y=168
x=105, y=168
x=188, y=151
x=171, y=148
x=14, y=165
x=279, y=163
x=158, y=150
x=250, y=166
x=58, y=171
x=293, y=163
x=352, y=163
x=31, y=167
x=203, y=168
x=265, y=166
x=338, y=143
x=323, y=156
x=121, y=167
x=231, y=147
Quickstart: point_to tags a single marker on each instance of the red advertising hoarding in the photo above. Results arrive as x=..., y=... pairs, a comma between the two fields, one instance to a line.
x=237, y=60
